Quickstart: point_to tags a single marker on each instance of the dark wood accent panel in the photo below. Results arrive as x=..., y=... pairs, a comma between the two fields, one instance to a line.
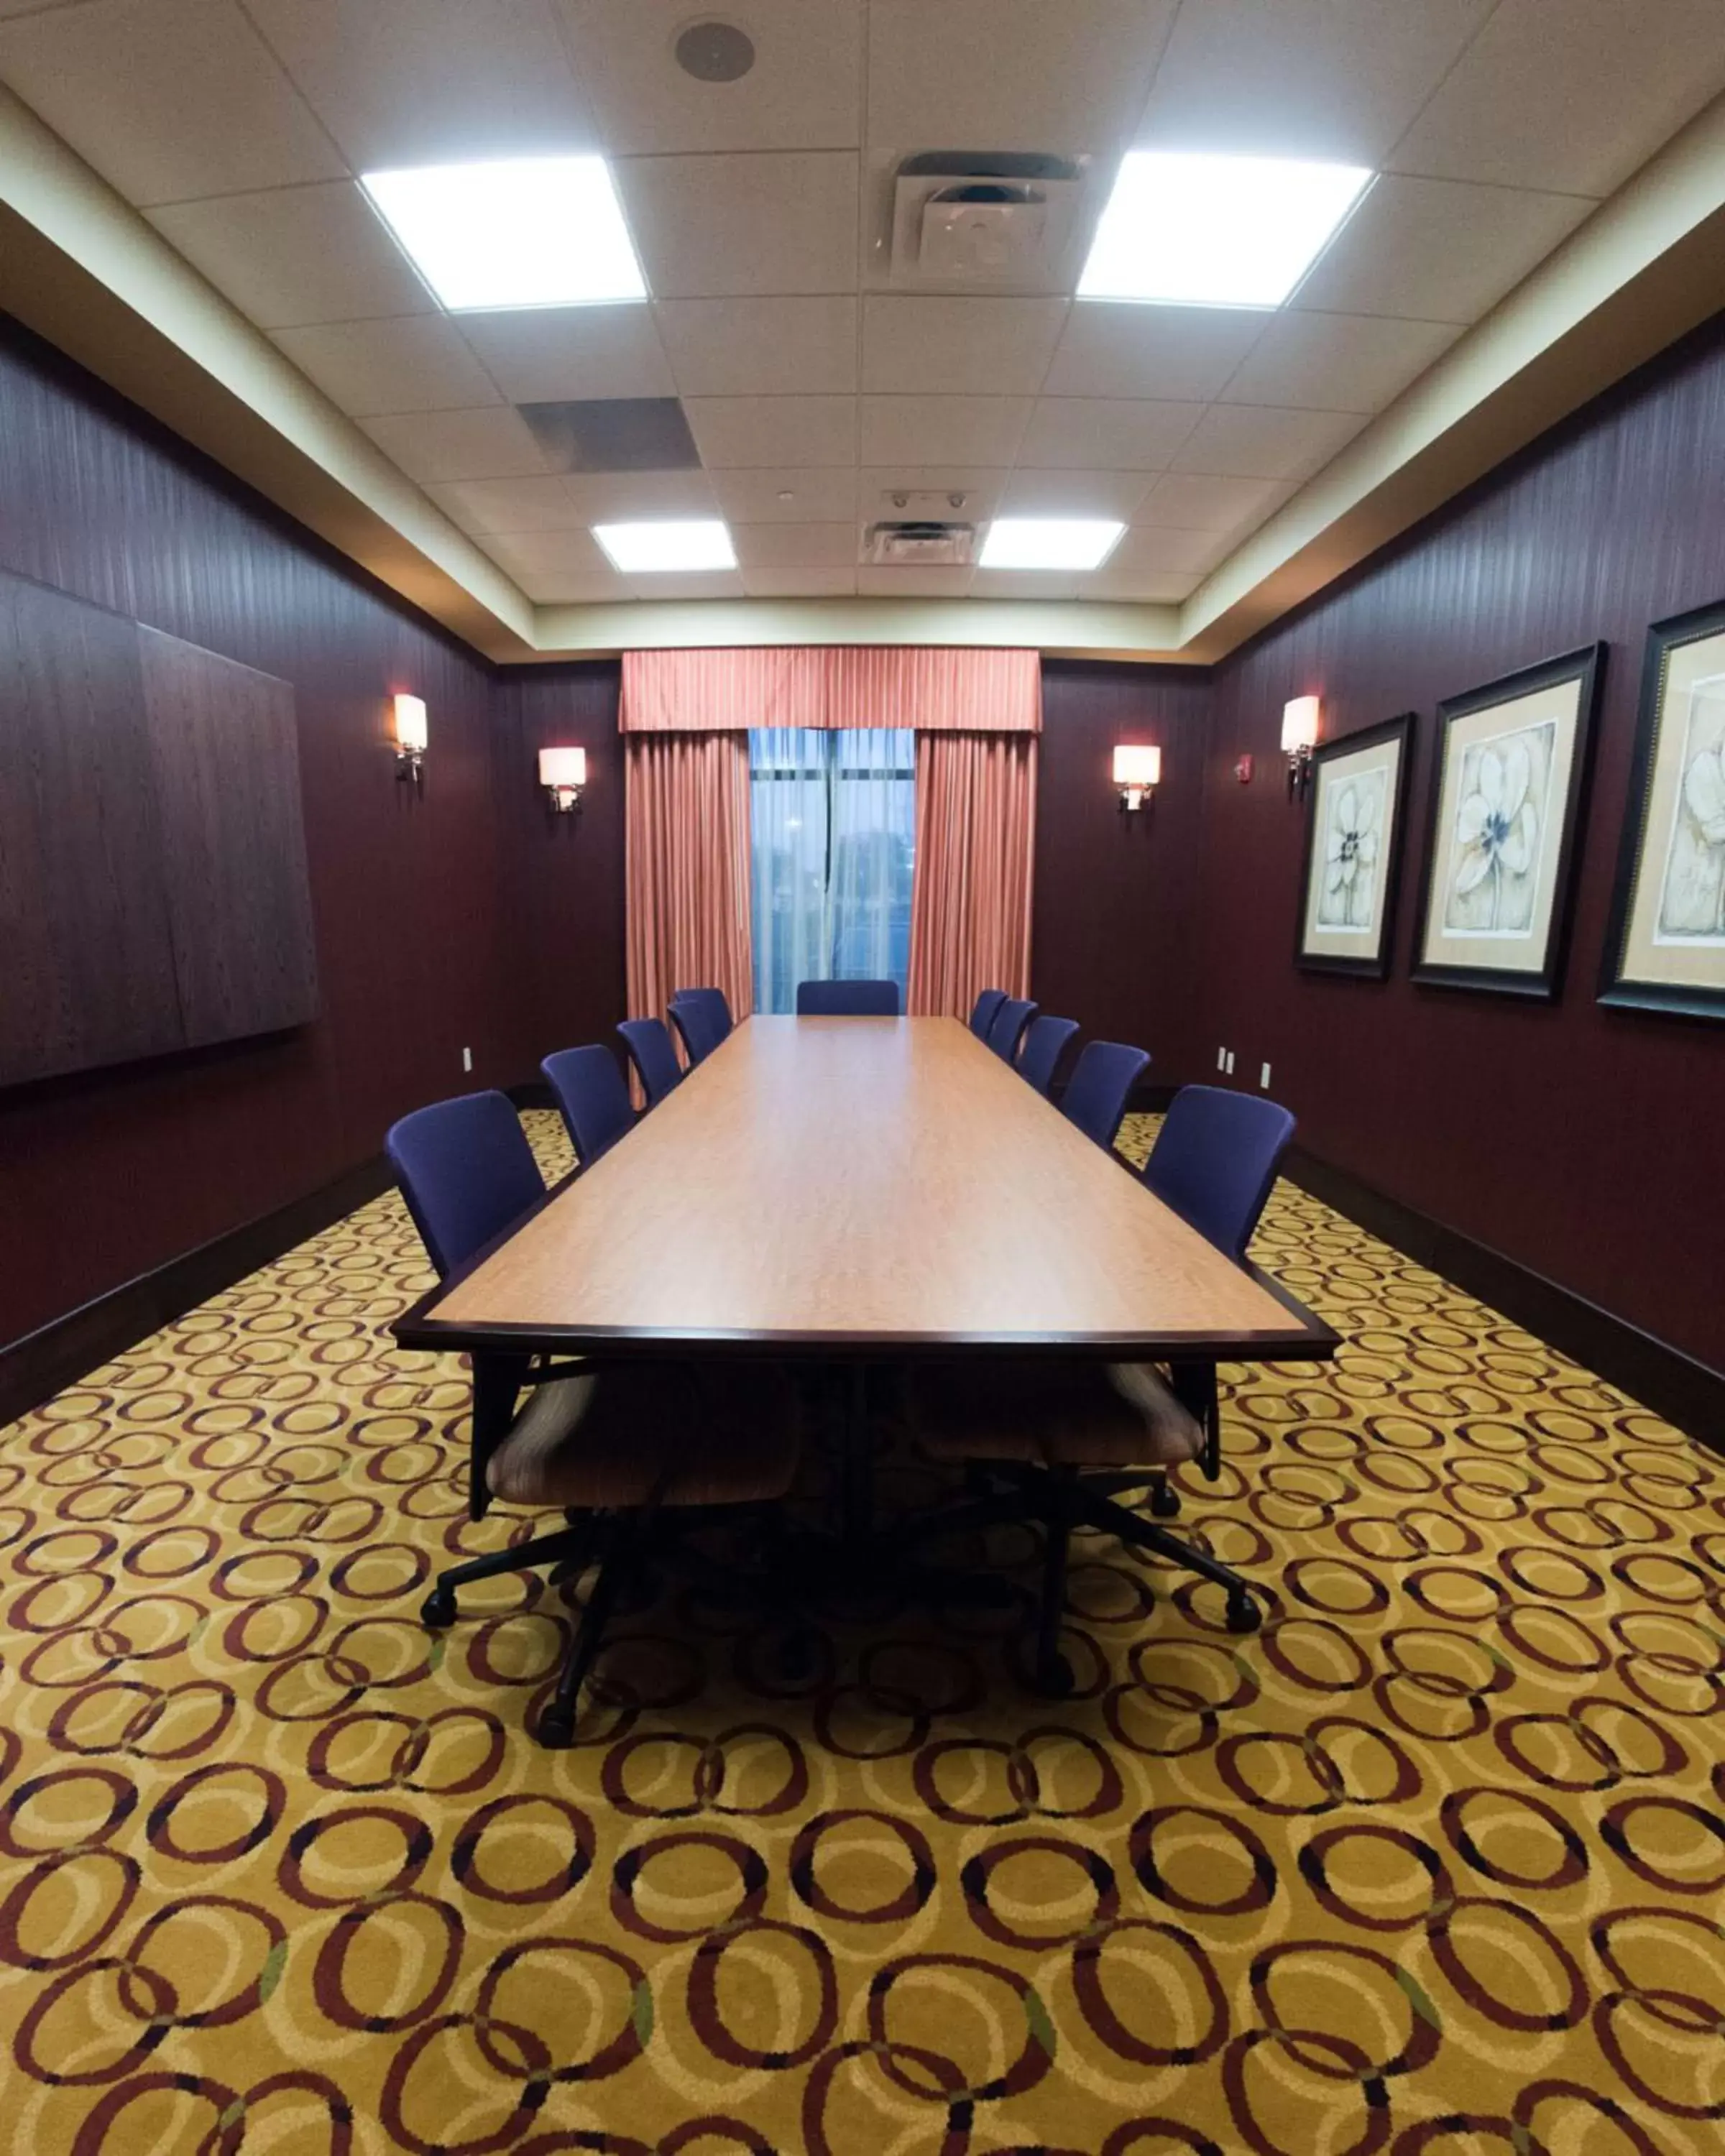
x=86, y=962
x=225, y=757
x=1586, y=1144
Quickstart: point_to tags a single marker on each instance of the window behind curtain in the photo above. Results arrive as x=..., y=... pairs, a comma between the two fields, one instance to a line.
x=833, y=830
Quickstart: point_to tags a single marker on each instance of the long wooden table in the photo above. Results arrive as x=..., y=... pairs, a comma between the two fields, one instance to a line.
x=854, y=1189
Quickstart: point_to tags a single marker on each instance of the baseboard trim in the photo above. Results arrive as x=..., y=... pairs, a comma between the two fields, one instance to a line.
x=45, y=1362
x=1685, y=1392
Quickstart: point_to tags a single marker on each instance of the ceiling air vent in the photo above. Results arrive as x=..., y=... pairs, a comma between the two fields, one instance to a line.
x=925, y=544
x=964, y=218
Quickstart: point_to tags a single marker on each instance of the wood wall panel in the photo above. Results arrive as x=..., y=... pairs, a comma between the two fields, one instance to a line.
x=224, y=753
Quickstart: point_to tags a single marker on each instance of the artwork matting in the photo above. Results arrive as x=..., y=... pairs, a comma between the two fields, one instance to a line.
x=1353, y=842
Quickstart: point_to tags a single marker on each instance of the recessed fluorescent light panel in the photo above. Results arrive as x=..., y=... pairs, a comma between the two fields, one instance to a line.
x=526, y=232
x=641, y=550
x=1049, y=542
x=1215, y=232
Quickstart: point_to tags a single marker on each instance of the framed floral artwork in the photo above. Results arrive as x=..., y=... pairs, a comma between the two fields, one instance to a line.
x=1352, y=851
x=1665, y=949
x=1512, y=767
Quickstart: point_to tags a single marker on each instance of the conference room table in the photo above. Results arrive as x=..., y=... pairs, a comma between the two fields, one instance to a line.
x=854, y=1190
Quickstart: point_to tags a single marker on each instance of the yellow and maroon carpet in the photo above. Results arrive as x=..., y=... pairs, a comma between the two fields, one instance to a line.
x=1434, y=1864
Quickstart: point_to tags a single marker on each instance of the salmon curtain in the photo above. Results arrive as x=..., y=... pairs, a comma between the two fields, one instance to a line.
x=976, y=847
x=686, y=869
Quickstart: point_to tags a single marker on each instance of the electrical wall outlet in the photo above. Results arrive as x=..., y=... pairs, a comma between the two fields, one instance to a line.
x=1264, y=1078
x=467, y=1059
x=1230, y=1063
x=1221, y=1058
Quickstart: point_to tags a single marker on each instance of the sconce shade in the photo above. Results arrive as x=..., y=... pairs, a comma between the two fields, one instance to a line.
x=1299, y=725
x=563, y=767
x=1136, y=765
x=410, y=732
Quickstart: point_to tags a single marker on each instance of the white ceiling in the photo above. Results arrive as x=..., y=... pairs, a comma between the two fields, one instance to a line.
x=814, y=391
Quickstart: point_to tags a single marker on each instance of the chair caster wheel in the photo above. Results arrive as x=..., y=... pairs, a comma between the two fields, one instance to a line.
x=556, y=1729
x=1165, y=1501
x=1055, y=1679
x=1244, y=1614
x=438, y=1609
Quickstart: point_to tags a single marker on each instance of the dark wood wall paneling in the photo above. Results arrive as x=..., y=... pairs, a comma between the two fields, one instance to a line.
x=1114, y=927
x=105, y=1175
x=1587, y=1144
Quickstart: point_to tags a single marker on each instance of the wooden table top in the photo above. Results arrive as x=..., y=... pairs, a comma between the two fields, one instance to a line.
x=854, y=1185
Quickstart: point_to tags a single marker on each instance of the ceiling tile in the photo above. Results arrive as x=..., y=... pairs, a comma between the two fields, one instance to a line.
x=928, y=490
x=543, y=355
x=761, y=347
x=1255, y=441
x=721, y=226
x=913, y=583
x=1336, y=78
x=410, y=363
x=481, y=505
x=934, y=430
x=1143, y=587
x=620, y=497
x=1181, y=353
x=924, y=346
x=493, y=442
x=756, y=431
x=1011, y=75
x=167, y=99
x=431, y=82
x=1106, y=433
x=1032, y=493
x=1437, y=250
x=711, y=584
x=793, y=546
x=294, y=255
x=1027, y=584
x=1147, y=548
x=1188, y=501
x=556, y=568
x=802, y=92
x=1570, y=94
x=574, y=548
x=823, y=495
x=798, y=583
x=1337, y=362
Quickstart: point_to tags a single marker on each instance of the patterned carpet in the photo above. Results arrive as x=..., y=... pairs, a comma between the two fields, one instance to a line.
x=1432, y=1865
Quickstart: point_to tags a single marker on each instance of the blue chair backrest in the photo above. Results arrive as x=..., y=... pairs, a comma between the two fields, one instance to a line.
x=984, y=1010
x=1013, y=1015
x=700, y=1029
x=1215, y=1159
x=466, y=1170
x=712, y=1000
x=847, y=998
x=651, y=1051
x=594, y=1097
x=1042, y=1049
x=1095, y=1094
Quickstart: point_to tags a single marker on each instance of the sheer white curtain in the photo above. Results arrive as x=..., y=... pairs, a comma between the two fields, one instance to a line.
x=833, y=825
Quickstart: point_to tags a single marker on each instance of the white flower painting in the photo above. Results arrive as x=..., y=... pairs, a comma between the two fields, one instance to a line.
x=1353, y=834
x=1692, y=901
x=1500, y=821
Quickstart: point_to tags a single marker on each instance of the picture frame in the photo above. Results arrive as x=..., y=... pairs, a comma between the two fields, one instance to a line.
x=1665, y=945
x=1510, y=771
x=1351, y=876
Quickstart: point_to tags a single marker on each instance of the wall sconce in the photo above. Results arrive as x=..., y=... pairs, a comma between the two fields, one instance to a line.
x=1138, y=771
x=410, y=739
x=563, y=772
x=1299, y=735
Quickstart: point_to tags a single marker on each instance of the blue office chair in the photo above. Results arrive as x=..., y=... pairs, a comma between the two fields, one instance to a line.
x=652, y=1053
x=1007, y=1030
x=699, y=1027
x=1043, y=1044
x=1095, y=1094
x=592, y=1096
x=1215, y=1160
x=984, y=1010
x=609, y=1451
x=714, y=1000
x=847, y=999
x=1040, y=1428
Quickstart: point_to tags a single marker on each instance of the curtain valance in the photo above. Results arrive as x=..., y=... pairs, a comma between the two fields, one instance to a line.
x=934, y=691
